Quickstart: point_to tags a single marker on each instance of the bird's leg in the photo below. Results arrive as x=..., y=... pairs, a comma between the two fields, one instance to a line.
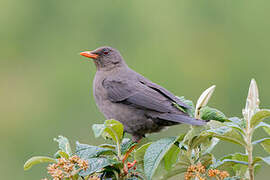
x=129, y=165
x=128, y=153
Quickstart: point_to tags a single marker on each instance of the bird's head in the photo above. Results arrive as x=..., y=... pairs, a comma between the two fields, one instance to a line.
x=105, y=58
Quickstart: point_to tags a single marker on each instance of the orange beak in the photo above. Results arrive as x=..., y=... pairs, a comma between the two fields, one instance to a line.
x=89, y=54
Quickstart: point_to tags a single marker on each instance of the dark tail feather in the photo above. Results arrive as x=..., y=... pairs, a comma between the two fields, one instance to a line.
x=181, y=119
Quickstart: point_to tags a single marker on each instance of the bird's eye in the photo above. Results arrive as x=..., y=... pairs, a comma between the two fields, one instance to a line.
x=106, y=52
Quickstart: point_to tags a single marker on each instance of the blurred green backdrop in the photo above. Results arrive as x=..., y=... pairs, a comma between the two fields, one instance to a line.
x=186, y=46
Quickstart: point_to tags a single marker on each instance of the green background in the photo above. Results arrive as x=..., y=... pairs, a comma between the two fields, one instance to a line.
x=184, y=45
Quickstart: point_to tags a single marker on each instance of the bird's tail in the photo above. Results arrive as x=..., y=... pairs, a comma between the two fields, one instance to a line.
x=179, y=118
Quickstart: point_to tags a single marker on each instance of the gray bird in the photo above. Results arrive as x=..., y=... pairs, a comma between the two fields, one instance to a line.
x=139, y=104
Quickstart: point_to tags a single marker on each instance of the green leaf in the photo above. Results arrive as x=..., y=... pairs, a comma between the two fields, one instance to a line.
x=171, y=157
x=96, y=164
x=257, y=167
x=155, y=153
x=257, y=159
x=259, y=116
x=173, y=172
x=227, y=134
x=208, y=147
x=238, y=162
x=126, y=145
x=110, y=129
x=187, y=102
x=229, y=163
x=190, y=111
x=265, y=126
x=139, y=153
x=110, y=146
x=114, y=129
x=265, y=143
x=60, y=154
x=191, y=136
x=179, y=167
x=63, y=144
x=86, y=151
x=208, y=113
x=265, y=159
x=184, y=160
x=198, y=140
x=37, y=160
x=207, y=159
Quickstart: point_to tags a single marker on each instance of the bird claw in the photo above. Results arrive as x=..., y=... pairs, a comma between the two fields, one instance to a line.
x=131, y=165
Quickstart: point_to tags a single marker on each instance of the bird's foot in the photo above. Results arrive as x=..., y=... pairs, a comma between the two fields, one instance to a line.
x=129, y=166
x=132, y=165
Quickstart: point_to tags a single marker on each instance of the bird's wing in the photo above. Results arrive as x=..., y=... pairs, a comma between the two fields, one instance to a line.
x=145, y=97
x=163, y=91
x=138, y=94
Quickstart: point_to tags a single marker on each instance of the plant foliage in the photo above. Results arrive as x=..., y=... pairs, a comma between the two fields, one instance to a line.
x=189, y=154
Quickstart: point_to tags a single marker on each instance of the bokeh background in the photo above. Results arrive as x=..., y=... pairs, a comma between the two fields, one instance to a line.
x=186, y=46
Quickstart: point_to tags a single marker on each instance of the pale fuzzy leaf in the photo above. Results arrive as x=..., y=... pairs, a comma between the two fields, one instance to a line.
x=227, y=134
x=155, y=153
x=252, y=102
x=86, y=151
x=203, y=100
x=96, y=164
x=98, y=129
x=228, y=163
x=266, y=160
x=240, y=122
x=234, y=126
x=237, y=162
x=63, y=144
x=233, y=178
x=37, y=160
x=110, y=129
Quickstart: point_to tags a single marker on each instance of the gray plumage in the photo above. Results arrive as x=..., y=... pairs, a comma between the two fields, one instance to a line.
x=139, y=104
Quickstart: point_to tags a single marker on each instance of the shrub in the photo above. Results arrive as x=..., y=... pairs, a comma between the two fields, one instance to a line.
x=189, y=153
